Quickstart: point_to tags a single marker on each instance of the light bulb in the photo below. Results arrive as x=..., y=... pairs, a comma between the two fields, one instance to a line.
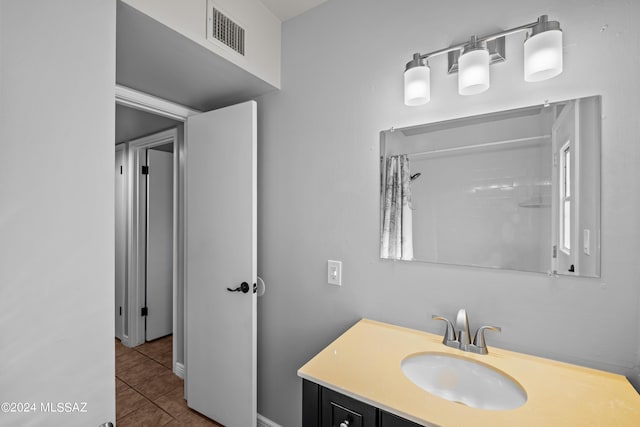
x=417, y=85
x=543, y=55
x=473, y=71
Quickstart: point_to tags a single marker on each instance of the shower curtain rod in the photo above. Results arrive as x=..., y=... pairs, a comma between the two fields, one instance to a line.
x=483, y=145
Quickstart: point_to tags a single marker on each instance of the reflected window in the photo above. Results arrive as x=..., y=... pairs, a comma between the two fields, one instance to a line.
x=565, y=197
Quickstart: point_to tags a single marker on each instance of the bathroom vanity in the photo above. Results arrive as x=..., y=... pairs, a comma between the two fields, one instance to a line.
x=358, y=380
x=325, y=407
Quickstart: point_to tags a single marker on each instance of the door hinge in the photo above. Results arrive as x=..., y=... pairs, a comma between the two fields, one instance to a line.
x=144, y=170
x=120, y=310
x=144, y=311
x=555, y=252
x=555, y=159
x=121, y=170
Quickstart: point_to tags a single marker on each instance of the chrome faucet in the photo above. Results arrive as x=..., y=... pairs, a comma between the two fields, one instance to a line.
x=461, y=339
x=462, y=323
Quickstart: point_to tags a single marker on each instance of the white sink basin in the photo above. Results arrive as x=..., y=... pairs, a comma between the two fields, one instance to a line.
x=464, y=381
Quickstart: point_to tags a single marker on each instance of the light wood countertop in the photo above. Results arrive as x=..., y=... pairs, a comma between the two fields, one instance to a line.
x=364, y=363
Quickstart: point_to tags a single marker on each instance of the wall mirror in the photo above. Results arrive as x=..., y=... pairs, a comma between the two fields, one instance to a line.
x=517, y=190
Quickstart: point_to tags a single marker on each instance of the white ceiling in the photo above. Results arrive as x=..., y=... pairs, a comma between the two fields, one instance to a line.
x=287, y=9
x=132, y=124
x=154, y=59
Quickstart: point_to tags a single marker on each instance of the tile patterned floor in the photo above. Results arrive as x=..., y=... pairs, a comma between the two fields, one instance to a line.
x=148, y=393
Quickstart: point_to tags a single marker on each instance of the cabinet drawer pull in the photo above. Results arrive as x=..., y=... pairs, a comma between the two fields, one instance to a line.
x=345, y=423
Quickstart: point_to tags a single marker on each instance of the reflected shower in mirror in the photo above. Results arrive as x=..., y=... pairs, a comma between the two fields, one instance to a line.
x=517, y=190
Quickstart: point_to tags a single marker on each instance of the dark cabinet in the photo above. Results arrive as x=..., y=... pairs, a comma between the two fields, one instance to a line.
x=390, y=420
x=339, y=410
x=323, y=407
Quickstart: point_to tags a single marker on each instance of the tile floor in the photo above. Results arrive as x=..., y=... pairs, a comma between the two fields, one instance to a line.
x=148, y=393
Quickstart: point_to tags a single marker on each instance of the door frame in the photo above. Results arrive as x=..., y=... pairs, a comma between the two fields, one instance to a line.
x=151, y=104
x=124, y=333
x=137, y=225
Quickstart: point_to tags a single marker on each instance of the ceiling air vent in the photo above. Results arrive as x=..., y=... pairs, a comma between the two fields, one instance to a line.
x=221, y=28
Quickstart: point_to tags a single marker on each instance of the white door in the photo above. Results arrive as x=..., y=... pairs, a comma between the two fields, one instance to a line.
x=159, y=284
x=221, y=253
x=565, y=215
x=121, y=241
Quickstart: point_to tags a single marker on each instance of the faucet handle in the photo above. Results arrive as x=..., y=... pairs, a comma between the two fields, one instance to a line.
x=450, y=338
x=479, y=345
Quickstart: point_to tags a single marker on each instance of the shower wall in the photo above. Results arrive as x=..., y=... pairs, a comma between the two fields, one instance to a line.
x=488, y=207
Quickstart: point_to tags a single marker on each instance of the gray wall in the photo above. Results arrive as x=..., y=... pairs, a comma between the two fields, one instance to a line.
x=57, y=211
x=319, y=178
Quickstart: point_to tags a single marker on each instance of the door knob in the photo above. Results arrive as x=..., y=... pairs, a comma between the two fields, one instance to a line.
x=244, y=288
x=345, y=423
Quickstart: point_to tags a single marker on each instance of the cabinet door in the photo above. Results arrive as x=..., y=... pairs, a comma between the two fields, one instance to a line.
x=341, y=411
x=390, y=420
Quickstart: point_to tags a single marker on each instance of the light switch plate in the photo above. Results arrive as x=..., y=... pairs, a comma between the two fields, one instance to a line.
x=334, y=272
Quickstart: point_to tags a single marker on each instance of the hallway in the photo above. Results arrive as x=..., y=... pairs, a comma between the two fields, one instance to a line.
x=148, y=393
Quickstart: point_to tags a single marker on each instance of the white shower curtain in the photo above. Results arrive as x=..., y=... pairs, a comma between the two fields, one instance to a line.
x=397, y=228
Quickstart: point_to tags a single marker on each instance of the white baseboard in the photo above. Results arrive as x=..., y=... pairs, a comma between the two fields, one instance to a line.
x=266, y=422
x=179, y=370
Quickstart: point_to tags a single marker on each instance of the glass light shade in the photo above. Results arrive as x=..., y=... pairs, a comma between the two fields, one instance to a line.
x=417, y=86
x=543, y=56
x=473, y=72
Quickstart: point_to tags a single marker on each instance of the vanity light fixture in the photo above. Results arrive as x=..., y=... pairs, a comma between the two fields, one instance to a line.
x=542, y=60
x=543, y=51
x=417, y=85
x=473, y=68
